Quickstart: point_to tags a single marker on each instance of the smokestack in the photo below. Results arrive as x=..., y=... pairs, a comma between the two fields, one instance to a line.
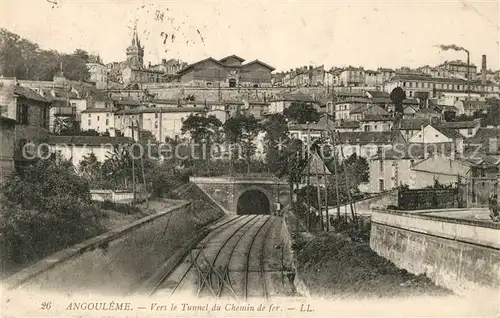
x=483, y=71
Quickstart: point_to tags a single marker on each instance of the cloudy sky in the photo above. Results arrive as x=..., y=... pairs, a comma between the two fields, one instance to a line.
x=285, y=34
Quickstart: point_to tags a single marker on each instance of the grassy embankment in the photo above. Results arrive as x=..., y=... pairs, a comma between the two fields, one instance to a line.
x=341, y=264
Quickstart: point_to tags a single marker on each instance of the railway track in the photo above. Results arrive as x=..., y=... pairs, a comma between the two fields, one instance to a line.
x=229, y=262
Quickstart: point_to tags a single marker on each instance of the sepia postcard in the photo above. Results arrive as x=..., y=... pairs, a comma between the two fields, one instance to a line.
x=249, y=158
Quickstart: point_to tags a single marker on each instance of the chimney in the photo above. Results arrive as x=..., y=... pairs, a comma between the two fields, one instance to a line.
x=483, y=71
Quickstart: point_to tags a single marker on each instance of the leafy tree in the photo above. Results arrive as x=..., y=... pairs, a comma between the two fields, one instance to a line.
x=358, y=169
x=493, y=116
x=90, y=168
x=45, y=207
x=204, y=131
x=301, y=113
x=397, y=97
x=74, y=68
x=242, y=129
x=276, y=138
x=25, y=60
x=82, y=55
x=201, y=127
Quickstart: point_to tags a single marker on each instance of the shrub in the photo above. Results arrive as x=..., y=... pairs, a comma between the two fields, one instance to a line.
x=45, y=207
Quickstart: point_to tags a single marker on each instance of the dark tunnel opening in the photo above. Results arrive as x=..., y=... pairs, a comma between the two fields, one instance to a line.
x=253, y=202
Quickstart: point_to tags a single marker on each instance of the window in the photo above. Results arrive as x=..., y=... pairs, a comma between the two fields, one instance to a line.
x=98, y=118
x=412, y=162
x=381, y=185
x=381, y=166
x=97, y=128
x=107, y=122
x=156, y=124
x=22, y=114
x=88, y=123
x=156, y=115
x=107, y=114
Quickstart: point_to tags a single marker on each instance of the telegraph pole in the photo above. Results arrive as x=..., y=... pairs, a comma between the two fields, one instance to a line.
x=142, y=168
x=133, y=166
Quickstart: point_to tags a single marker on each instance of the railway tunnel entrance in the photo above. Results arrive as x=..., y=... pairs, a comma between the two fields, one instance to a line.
x=253, y=202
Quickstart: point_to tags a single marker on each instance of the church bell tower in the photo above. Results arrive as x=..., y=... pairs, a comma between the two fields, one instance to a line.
x=135, y=52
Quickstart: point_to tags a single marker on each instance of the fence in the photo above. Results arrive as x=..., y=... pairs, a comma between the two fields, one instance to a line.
x=422, y=199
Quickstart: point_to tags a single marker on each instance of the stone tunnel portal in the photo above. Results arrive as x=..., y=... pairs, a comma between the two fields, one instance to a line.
x=253, y=202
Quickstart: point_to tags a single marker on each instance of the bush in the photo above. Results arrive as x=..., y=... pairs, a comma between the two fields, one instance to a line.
x=45, y=207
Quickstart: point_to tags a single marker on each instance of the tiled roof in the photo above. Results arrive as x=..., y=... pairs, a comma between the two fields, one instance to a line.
x=377, y=110
x=352, y=100
x=29, y=94
x=461, y=124
x=359, y=109
x=316, y=166
x=7, y=120
x=411, y=124
x=98, y=110
x=232, y=56
x=142, y=110
x=87, y=140
x=259, y=62
x=377, y=94
x=377, y=117
x=381, y=100
x=127, y=102
x=475, y=104
x=450, y=133
x=363, y=138
x=348, y=124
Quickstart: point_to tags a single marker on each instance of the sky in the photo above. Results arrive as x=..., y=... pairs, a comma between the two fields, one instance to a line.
x=284, y=34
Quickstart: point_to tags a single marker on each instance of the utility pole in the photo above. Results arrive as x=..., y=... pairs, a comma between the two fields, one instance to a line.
x=332, y=137
x=308, y=179
x=348, y=186
x=322, y=222
x=326, y=183
x=142, y=168
x=133, y=167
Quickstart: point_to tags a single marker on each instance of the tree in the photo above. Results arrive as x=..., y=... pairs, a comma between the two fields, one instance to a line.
x=301, y=113
x=204, y=130
x=201, y=127
x=90, y=168
x=276, y=138
x=242, y=130
x=74, y=68
x=358, y=169
x=24, y=59
x=493, y=116
x=82, y=55
x=46, y=207
x=397, y=97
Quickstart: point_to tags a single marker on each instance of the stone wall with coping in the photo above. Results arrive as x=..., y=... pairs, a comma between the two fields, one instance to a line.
x=461, y=255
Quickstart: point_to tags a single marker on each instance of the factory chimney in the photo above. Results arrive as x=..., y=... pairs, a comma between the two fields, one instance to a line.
x=483, y=71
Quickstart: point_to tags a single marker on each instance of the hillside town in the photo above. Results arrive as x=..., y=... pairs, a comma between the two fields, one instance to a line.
x=191, y=153
x=452, y=104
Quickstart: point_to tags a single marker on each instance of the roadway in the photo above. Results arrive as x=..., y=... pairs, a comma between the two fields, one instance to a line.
x=241, y=258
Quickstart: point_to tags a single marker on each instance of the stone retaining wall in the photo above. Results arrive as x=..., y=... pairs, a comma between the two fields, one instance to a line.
x=461, y=255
